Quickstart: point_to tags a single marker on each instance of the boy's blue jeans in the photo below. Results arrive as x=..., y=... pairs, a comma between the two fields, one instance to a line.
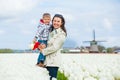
x=41, y=57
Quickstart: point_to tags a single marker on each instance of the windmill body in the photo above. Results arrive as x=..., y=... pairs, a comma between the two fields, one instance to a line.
x=93, y=44
x=93, y=47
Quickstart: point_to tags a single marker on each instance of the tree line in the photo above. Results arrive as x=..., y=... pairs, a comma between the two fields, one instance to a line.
x=6, y=51
x=101, y=49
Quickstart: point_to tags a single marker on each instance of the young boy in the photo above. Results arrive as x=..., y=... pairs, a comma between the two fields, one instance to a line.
x=42, y=36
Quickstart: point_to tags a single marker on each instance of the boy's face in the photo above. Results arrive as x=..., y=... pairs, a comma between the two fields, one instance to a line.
x=46, y=20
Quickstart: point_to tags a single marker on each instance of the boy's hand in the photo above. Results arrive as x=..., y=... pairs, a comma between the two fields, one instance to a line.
x=43, y=46
x=34, y=40
x=40, y=48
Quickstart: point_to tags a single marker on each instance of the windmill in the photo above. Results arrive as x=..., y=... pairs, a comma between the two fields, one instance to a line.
x=93, y=44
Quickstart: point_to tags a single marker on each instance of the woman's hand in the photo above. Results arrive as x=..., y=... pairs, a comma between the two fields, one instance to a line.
x=41, y=46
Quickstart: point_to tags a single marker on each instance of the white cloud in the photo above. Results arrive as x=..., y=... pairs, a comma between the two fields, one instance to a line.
x=34, y=22
x=107, y=23
x=2, y=32
x=11, y=20
x=112, y=41
x=11, y=7
x=27, y=32
x=69, y=17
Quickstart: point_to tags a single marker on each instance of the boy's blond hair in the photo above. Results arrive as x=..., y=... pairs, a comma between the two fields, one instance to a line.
x=46, y=15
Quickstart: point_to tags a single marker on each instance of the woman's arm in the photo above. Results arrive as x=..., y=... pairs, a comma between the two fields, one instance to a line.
x=56, y=45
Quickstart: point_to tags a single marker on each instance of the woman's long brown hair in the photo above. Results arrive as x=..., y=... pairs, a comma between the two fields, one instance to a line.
x=63, y=23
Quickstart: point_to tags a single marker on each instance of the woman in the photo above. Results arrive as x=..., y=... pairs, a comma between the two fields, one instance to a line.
x=56, y=39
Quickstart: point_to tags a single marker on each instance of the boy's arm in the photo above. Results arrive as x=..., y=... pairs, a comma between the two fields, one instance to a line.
x=34, y=39
x=40, y=28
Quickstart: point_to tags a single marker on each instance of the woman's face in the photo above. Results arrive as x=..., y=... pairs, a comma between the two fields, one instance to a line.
x=57, y=22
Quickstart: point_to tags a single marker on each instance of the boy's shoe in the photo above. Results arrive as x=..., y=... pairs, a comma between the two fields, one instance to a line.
x=41, y=65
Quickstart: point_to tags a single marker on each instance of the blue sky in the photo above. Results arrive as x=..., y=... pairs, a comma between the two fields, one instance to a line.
x=19, y=20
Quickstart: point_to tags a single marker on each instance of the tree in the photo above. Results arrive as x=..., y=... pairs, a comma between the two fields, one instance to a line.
x=6, y=51
x=109, y=50
x=101, y=48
